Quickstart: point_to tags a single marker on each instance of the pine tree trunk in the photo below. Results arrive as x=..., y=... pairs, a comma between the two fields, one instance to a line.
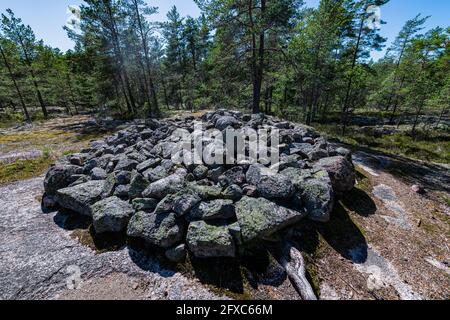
x=33, y=77
x=19, y=92
x=257, y=58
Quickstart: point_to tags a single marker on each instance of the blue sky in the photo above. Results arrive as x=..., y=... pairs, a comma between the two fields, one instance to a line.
x=47, y=17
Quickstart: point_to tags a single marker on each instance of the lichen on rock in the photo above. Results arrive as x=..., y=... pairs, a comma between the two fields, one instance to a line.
x=130, y=182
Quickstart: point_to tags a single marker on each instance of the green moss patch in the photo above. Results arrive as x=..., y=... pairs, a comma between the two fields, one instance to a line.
x=24, y=169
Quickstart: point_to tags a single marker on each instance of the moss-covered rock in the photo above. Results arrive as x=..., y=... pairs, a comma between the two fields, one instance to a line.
x=211, y=210
x=81, y=197
x=208, y=241
x=163, y=230
x=111, y=215
x=260, y=218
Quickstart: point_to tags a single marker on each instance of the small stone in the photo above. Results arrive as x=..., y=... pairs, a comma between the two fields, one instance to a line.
x=98, y=174
x=49, y=202
x=184, y=201
x=126, y=164
x=149, y=164
x=122, y=191
x=250, y=191
x=123, y=177
x=60, y=176
x=215, y=173
x=168, y=185
x=233, y=176
x=233, y=192
x=226, y=121
x=200, y=172
x=269, y=184
x=206, y=192
x=341, y=171
x=156, y=174
x=418, y=189
x=77, y=159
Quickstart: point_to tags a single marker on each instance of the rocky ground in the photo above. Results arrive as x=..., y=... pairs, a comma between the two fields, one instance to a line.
x=384, y=241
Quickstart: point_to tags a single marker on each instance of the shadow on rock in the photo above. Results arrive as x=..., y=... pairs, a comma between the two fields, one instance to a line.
x=71, y=221
x=149, y=258
x=343, y=235
x=431, y=176
x=91, y=129
x=262, y=267
x=222, y=273
x=359, y=201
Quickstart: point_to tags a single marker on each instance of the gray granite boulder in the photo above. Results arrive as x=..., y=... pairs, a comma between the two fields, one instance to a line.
x=259, y=217
x=168, y=185
x=162, y=230
x=81, y=197
x=111, y=215
x=210, y=241
x=60, y=176
x=212, y=210
x=341, y=171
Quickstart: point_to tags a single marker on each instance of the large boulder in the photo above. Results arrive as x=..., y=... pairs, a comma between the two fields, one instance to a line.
x=184, y=201
x=81, y=197
x=341, y=171
x=61, y=176
x=168, y=185
x=315, y=190
x=163, y=230
x=215, y=209
x=226, y=121
x=210, y=241
x=260, y=218
x=269, y=184
x=111, y=215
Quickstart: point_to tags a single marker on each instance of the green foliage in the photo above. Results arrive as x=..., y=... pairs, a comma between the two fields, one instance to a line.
x=275, y=56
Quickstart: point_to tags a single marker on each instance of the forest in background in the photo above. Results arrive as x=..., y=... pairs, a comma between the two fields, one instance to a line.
x=273, y=56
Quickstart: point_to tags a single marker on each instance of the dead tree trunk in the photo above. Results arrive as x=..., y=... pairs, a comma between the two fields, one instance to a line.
x=292, y=261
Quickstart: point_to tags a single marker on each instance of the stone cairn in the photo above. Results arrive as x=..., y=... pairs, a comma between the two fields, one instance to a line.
x=130, y=183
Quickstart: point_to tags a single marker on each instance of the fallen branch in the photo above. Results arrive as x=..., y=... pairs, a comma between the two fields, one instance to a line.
x=292, y=261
